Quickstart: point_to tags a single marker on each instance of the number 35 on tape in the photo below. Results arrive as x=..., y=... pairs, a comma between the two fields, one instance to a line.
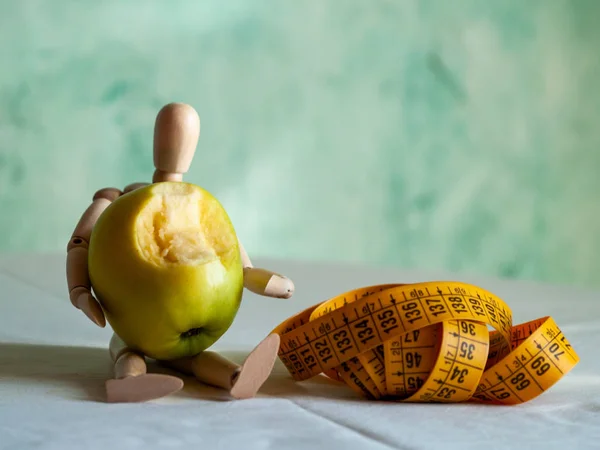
x=426, y=342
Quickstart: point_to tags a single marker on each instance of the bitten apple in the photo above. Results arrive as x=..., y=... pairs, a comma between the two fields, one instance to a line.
x=164, y=263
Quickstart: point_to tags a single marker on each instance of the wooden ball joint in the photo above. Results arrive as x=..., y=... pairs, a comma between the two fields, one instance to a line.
x=176, y=134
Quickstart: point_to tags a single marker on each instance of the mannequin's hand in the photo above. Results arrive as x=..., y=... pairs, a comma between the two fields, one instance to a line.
x=267, y=283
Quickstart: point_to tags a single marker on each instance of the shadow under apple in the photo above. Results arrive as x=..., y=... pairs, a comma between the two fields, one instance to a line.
x=79, y=373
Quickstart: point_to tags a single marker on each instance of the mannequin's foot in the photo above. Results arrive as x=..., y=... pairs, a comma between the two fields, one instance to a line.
x=141, y=388
x=256, y=368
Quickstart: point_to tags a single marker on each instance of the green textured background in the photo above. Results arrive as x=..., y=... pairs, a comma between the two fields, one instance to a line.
x=459, y=135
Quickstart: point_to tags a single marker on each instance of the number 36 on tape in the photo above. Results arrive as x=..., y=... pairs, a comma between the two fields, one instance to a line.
x=426, y=342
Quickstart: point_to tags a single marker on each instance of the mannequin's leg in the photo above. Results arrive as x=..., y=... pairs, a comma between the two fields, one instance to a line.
x=131, y=382
x=241, y=381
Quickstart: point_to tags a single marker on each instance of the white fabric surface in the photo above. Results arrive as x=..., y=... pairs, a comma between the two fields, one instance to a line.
x=53, y=364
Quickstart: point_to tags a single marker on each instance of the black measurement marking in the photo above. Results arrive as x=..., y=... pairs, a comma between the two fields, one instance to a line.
x=466, y=338
x=374, y=323
x=415, y=347
x=295, y=357
x=402, y=374
x=472, y=366
x=550, y=357
x=553, y=348
x=445, y=383
x=445, y=302
x=335, y=325
x=499, y=392
x=395, y=305
x=331, y=346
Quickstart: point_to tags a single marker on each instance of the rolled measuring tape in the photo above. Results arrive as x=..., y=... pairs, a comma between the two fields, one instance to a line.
x=426, y=342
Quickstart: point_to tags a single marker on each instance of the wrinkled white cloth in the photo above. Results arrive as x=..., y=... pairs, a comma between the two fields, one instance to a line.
x=53, y=364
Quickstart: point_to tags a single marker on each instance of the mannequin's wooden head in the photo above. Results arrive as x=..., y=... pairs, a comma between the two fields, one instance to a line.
x=176, y=134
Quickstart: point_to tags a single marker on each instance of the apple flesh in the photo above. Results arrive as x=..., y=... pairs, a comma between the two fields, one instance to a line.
x=165, y=265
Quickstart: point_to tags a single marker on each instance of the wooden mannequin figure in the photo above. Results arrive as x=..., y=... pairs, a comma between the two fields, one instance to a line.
x=176, y=134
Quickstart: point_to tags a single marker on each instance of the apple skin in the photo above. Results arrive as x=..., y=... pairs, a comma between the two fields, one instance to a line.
x=150, y=306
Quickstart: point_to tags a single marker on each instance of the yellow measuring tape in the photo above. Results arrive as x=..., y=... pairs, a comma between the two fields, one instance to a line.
x=426, y=342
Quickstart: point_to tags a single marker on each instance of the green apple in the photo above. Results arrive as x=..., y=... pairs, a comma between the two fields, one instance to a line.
x=165, y=265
